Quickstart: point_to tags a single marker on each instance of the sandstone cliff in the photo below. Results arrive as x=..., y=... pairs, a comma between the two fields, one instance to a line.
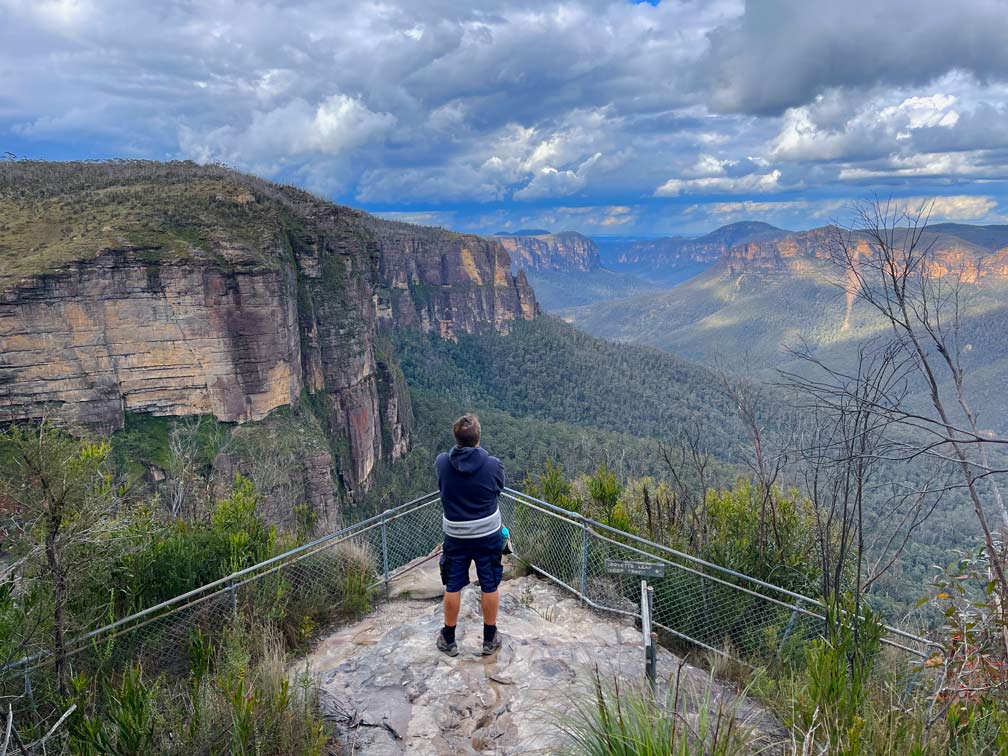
x=808, y=252
x=708, y=249
x=543, y=251
x=175, y=289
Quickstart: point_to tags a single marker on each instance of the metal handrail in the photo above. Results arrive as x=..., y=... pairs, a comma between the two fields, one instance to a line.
x=580, y=519
x=228, y=582
x=590, y=527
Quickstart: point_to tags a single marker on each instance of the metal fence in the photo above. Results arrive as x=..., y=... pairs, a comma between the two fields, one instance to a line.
x=697, y=604
x=298, y=590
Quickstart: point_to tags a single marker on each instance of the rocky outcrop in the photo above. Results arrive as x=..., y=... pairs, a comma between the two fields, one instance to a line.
x=242, y=297
x=449, y=284
x=807, y=252
x=389, y=691
x=117, y=334
x=565, y=251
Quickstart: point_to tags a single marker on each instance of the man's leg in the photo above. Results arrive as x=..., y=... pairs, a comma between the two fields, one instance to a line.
x=452, y=602
x=490, y=570
x=454, y=576
x=490, y=603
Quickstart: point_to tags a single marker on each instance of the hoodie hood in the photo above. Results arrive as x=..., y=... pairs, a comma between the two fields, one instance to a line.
x=467, y=459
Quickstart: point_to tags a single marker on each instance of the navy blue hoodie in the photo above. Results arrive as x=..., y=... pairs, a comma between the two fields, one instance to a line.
x=470, y=480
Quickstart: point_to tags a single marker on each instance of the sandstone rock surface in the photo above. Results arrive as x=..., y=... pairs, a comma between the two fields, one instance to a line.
x=391, y=692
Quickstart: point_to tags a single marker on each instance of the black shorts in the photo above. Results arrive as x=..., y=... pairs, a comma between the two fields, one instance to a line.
x=459, y=553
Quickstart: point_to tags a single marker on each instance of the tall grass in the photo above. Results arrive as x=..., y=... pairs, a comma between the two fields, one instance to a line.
x=622, y=719
x=238, y=699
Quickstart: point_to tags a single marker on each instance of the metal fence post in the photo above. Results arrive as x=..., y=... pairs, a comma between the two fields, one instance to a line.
x=584, y=559
x=788, y=629
x=29, y=693
x=232, y=594
x=384, y=547
x=650, y=638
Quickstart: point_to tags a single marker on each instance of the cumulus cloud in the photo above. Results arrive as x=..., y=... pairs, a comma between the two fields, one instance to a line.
x=519, y=107
x=816, y=133
x=336, y=124
x=753, y=183
x=551, y=182
x=959, y=207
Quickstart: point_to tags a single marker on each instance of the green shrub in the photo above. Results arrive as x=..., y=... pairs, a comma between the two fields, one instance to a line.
x=238, y=698
x=331, y=584
x=127, y=724
x=193, y=554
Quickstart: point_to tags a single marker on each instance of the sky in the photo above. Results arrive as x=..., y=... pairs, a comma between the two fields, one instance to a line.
x=605, y=117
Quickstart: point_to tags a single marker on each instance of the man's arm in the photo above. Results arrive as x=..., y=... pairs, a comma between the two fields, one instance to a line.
x=500, y=478
x=437, y=469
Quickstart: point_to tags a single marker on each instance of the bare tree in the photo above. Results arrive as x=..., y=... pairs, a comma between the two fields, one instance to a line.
x=885, y=263
x=689, y=465
x=846, y=451
x=187, y=487
x=766, y=461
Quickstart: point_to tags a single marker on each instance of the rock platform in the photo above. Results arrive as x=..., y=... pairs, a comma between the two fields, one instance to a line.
x=390, y=691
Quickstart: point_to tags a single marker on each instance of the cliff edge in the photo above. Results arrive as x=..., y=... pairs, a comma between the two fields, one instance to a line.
x=389, y=691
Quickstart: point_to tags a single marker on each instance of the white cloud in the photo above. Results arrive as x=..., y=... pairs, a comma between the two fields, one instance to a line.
x=550, y=182
x=757, y=183
x=872, y=127
x=924, y=165
x=960, y=207
x=749, y=208
x=335, y=125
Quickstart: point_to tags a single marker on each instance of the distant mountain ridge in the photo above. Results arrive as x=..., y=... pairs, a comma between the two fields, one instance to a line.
x=766, y=295
x=524, y=232
x=975, y=251
x=537, y=250
x=709, y=248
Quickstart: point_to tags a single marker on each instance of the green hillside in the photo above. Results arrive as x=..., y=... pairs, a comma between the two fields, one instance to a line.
x=754, y=319
x=545, y=369
x=548, y=392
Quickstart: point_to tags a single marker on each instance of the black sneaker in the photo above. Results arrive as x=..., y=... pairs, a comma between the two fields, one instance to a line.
x=445, y=647
x=493, y=644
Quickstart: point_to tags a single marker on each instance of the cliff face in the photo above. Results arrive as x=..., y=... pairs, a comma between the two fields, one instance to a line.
x=807, y=252
x=449, y=283
x=707, y=249
x=671, y=251
x=566, y=251
x=115, y=334
x=227, y=296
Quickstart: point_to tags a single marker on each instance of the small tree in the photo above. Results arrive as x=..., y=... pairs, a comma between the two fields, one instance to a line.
x=63, y=495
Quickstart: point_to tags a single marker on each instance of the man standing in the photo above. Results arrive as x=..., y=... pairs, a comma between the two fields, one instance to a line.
x=470, y=480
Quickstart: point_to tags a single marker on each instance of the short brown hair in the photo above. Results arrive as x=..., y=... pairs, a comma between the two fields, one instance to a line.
x=467, y=430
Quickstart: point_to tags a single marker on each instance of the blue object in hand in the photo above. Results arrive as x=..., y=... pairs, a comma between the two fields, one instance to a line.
x=507, y=541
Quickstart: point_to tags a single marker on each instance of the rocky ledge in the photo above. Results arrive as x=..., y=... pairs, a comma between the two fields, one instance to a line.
x=389, y=691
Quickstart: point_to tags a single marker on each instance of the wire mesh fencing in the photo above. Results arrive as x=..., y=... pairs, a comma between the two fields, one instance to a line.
x=299, y=591
x=697, y=605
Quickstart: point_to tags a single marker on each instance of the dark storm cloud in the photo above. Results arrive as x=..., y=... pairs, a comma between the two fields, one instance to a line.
x=783, y=53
